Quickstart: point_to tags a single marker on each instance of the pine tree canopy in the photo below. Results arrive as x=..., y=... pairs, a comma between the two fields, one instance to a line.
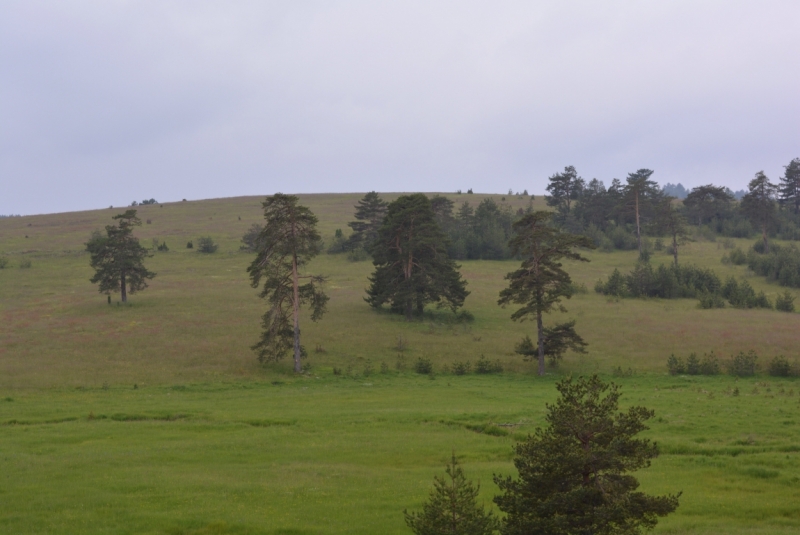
x=574, y=474
x=118, y=258
x=287, y=242
x=369, y=215
x=412, y=267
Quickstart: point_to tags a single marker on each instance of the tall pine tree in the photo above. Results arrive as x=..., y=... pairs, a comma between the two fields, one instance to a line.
x=369, y=215
x=789, y=188
x=541, y=282
x=287, y=242
x=759, y=205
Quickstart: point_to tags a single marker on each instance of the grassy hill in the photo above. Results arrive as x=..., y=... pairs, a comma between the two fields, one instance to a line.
x=156, y=417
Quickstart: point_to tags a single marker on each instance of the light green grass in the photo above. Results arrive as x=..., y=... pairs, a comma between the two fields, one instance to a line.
x=207, y=443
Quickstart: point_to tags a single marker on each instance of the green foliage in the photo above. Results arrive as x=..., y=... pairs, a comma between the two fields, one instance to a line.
x=574, y=474
x=339, y=243
x=743, y=364
x=781, y=264
x=118, y=258
x=780, y=367
x=250, y=238
x=3, y=262
x=206, y=245
x=485, y=366
x=369, y=215
x=189, y=244
x=412, y=267
x=666, y=282
x=452, y=508
x=461, y=368
x=785, y=302
x=162, y=247
x=708, y=365
x=541, y=283
x=288, y=241
x=759, y=204
x=423, y=366
x=742, y=295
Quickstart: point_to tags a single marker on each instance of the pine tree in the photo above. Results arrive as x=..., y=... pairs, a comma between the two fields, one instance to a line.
x=574, y=474
x=541, y=282
x=452, y=508
x=706, y=202
x=672, y=222
x=639, y=194
x=287, y=242
x=759, y=204
x=118, y=258
x=564, y=188
x=369, y=215
x=789, y=188
x=412, y=267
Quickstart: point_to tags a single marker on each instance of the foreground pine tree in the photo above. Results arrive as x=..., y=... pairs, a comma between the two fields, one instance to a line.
x=574, y=474
x=452, y=508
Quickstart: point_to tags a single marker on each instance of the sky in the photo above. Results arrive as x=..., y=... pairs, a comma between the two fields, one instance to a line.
x=106, y=102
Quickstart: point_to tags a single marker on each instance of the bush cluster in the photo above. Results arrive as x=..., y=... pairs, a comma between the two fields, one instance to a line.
x=666, y=282
x=708, y=365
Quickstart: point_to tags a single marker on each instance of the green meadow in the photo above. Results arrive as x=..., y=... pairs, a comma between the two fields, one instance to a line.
x=156, y=417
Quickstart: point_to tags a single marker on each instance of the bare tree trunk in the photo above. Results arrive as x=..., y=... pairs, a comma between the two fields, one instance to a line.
x=540, y=329
x=122, y=289
x=638, y=230
x=296, y=313
x=675, y=248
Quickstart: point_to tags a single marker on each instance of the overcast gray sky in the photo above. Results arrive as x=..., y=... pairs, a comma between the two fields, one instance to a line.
x=106, y=102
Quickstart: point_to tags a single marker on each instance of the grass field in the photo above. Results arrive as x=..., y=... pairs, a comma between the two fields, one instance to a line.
x=156, y=417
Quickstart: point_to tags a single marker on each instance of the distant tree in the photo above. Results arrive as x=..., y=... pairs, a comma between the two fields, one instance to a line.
x=557, y=341
x=675, y=190
x=452, y=508
x=574, y=474
x=369, y=215
x=639, y=195
x=412, y=267
x=706, y=202
x=789, y=189
x=564, y=188
x=251, y=237
x=541, y=282
x=206, y=245
x=287, y=242
x=118, y=258
x=670, y=221
x=759, y=204
x=443, y=212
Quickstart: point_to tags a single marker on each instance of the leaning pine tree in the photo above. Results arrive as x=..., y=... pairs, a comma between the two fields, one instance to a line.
x=118, y=258
x=287, y=242
x=574, y=474
x=541, y=282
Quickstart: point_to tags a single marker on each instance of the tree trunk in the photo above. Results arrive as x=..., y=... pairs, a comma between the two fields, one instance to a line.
x=296, y=313
x=638, y=230
x=122, y=289
x=540, y=329
x=675, y=248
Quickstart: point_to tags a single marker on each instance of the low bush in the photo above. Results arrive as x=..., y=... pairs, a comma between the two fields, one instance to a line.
x=206, y=245
x=25, y=263
x=785, y=302
x=484, y=366
x=708, y=365
x=461, y=368
x=423, y=366
x=189, y=244
x=3, y=262
x=743, y=364
x=780, y=367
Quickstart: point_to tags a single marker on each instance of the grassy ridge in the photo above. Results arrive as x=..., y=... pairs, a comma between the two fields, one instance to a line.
x=211, y=442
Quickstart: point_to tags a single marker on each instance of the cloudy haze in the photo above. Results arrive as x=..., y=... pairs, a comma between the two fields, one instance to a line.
x=108, y=102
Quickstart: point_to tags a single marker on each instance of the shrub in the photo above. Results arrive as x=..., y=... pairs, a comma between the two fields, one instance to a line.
x=693, y=365
x=359, y=254
x=206, y=245
x=251, y=237
x=709, y=300
x=780, y=367
x=25, y=263
x=189, y=244
x=737, y=257
x=484, y=366
x=461, y=368
x=743, y=364
x=163, y=247
x=675, y=365
x=709, y=365
x=785, y=302
x=423, y=366
x=3, y=262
